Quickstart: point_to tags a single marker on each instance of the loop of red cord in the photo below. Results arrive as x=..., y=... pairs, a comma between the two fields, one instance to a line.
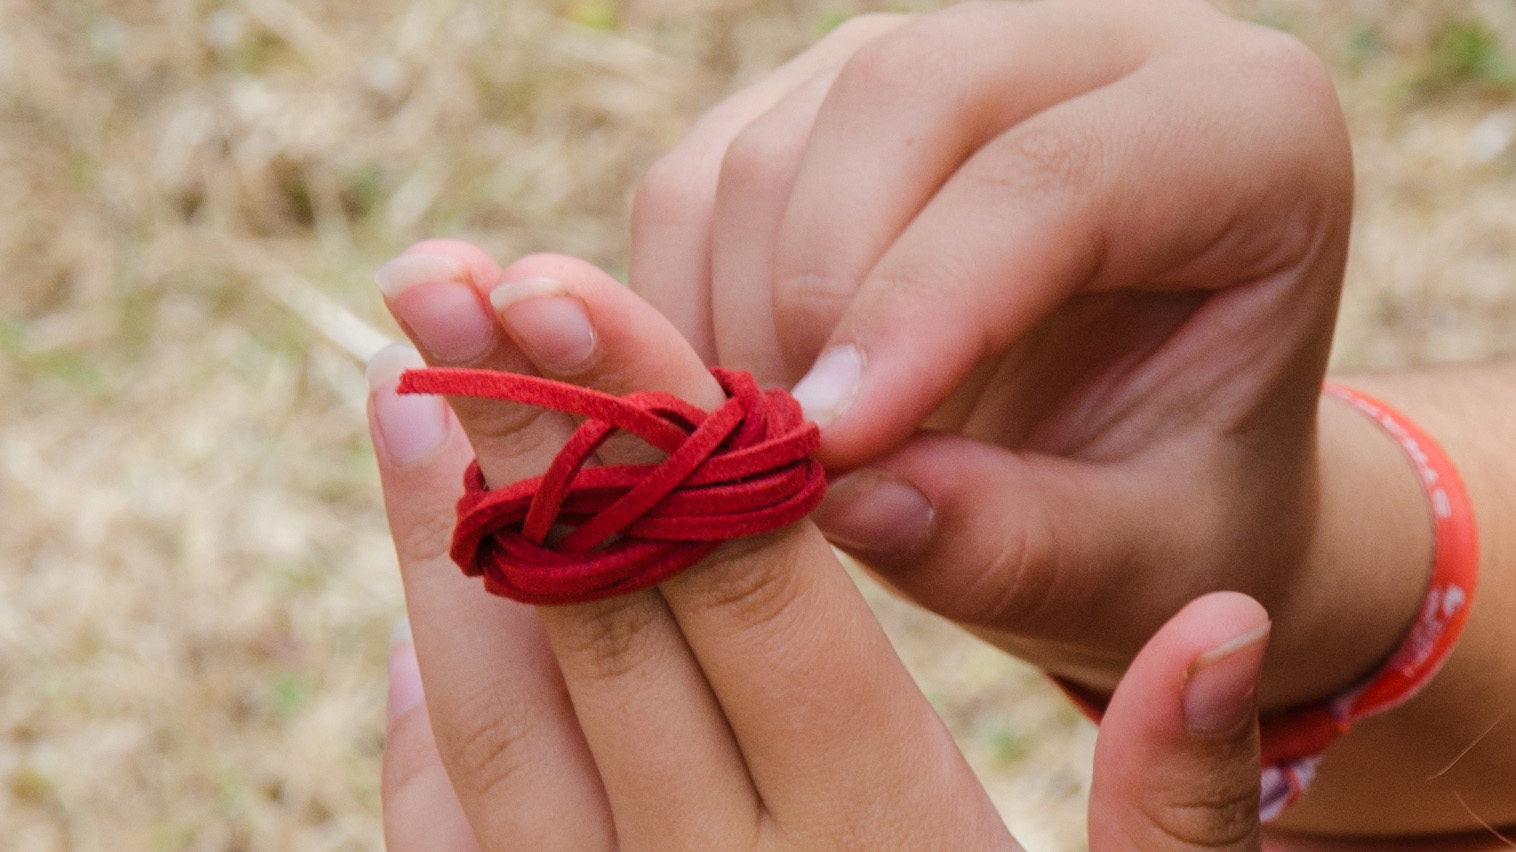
x=741, y=470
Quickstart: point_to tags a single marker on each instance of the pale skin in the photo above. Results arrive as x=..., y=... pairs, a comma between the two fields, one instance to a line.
x=1096, y=249
x=1106, y=277
x=752, y=703
x=742, y=705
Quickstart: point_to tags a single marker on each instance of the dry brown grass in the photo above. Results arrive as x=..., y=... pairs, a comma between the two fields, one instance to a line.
x=196, y=580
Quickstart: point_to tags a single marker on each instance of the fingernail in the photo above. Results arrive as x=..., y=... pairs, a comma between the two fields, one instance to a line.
x=409, y=427
x=548, y=322
x=435, y=299
x=404, y=672
x=829, y=388
x=1219, y=686
x=873, y=513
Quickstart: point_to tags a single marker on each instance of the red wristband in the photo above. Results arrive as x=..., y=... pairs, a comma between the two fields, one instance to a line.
x=740, y=470
x=1294, y=741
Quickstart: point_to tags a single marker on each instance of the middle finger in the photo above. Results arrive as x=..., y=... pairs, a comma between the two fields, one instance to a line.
x=829, y=722
x=672, y=773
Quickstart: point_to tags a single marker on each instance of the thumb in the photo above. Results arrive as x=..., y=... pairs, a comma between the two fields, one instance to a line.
x=1021, y=546
x=1177, y=761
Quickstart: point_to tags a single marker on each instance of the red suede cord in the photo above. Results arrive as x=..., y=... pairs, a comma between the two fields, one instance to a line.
x=740, y=470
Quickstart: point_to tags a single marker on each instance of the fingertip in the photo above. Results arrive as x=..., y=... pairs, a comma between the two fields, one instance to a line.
x=828, y=390
x=577, y=322
x=1177, y=760
x=1220, y=687
x=896, y=354
x=482, y=269
x=836, y=394
x=877, y=516
x=1212, y=622
x=868, y=400
x=572, y=271
x=1231, y=631
x=1210, y=630
x=433, y=288
x=548, y=322
x=420, y=454
x=387, y=364
x=406, y=430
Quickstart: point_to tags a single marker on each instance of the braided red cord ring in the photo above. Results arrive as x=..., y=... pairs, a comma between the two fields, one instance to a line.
x=740, y=470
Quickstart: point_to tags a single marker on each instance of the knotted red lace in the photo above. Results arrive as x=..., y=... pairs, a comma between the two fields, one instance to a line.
x=740, y=470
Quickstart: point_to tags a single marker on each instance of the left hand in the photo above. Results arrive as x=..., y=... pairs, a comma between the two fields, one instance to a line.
x=751, y=703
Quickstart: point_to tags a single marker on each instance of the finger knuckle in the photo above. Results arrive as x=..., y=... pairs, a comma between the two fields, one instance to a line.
x=758, y=159
x=668, y=190
x=915, y=60
x=1015, y=580
x=484, y=746
x=516, y=439
x=489, y=418
x=1040, y=160
x=1293, y=85
x=1287, y=73
x=904, y=65
x=609, y=639
x=427, y=538
x=746, y=582
x=812, y=297
x=1223, y=816
x=900, y=287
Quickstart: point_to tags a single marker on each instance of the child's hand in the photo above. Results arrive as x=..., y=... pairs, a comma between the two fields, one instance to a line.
x=1097, y=247
x=751, y=703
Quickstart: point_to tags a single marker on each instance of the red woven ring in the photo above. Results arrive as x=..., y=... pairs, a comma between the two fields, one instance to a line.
x=740, y=470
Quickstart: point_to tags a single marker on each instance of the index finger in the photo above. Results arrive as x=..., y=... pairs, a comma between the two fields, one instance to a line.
x=1102, y=193
x=903, y=115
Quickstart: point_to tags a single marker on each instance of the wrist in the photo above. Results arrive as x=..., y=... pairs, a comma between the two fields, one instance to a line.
x=1366, y=567
x=1397, y=771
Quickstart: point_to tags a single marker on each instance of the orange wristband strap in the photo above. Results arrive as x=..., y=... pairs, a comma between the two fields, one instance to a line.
x=1294, y=741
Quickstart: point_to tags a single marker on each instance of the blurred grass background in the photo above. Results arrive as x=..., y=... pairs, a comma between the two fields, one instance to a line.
x=195, y=580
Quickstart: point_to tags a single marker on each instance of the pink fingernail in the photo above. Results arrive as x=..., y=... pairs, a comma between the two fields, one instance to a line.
x=830, y=387
x=549, y=322
x=404, y=673
x=874, y=513
x=408, y=427
x=435, y=298
x=1219, y=687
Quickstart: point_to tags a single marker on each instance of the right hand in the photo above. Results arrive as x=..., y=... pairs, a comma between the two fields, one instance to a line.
x=1097, y=248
